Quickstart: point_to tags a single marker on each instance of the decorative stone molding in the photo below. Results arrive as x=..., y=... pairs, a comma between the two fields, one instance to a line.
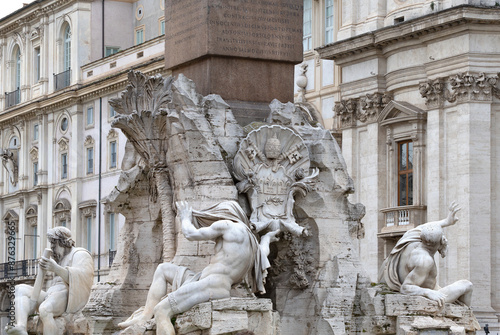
x=113, y=134
x=371, y=106
x=346, y=110
x=459, y=88
x=34, y=154
x=62, y=211
x=88, y=208
x=32, y=215
x=365, y=109
x=63, y=144
x=89, y=141
x=11, y=216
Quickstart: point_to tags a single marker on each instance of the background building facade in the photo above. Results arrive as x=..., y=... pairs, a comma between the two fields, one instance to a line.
x=416, y=97
x=60, y=63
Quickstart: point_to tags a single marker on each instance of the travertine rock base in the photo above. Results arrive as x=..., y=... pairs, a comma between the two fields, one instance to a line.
x=68, y=324
x=382, y=312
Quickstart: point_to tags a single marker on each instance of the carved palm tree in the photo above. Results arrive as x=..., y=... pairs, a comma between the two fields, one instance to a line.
x=141, y=115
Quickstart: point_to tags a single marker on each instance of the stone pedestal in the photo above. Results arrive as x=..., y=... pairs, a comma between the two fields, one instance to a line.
x=226, y=316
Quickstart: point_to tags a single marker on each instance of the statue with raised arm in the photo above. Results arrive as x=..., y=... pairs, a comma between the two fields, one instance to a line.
x=411, y=269
x=237, y=257
x=10, y=164
x=70, y=289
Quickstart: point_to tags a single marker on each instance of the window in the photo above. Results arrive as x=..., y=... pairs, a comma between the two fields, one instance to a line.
x=111, y=50
x=89, y=233
x=405, y=173
x=37, y=64
x=162, y=26
x=64, y=124
x=35, y=173
x=64, y=166
x=328, y=21
x=307, y=25
x=67, y=49
x=63, y=223
x=139, y=35
x=90, y=116
x=18, y=69
x=90, y=160
x=35, y=241
x=112, y=112
x=35, y=132
x=112, y=242
x=112, y=155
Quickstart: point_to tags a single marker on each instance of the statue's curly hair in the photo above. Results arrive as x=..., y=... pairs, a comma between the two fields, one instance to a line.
x=62, y=235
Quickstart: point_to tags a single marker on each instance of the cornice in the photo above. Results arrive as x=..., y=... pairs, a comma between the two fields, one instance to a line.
x=411, y=29
x=31, y=12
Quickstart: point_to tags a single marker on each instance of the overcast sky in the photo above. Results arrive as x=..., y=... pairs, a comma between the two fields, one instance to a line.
x=9, y=6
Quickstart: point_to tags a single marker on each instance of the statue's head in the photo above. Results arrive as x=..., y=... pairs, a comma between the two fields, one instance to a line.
x=432, y=235
x=60, y=241
x=273, y=147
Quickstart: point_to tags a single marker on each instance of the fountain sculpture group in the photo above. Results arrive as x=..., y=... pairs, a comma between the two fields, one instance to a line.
x=272, y=252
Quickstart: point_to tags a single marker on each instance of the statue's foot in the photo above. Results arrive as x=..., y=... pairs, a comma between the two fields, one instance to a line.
x=133, y=320
x=16, y=330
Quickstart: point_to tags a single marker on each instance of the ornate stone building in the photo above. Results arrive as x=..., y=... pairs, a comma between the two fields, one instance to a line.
x=60, y=63
x=416, y=96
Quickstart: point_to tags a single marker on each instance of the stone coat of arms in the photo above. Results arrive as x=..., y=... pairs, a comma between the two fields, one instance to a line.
x=272, y=165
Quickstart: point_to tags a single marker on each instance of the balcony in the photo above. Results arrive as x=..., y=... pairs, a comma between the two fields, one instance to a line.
x=62, y=80
x=26, y=269
x=12, y=98
x=399, y=220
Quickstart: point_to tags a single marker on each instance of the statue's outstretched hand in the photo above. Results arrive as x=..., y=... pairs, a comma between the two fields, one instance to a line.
x=184, y=210
x=452, y=215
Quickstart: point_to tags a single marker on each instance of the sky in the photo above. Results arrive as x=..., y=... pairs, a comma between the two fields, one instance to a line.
x=9, y=6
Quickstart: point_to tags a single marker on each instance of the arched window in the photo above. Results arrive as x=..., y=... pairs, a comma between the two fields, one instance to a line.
x=17, y=83
x=67, y=48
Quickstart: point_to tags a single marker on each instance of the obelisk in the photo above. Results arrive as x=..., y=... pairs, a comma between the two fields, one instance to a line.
x=243, y=50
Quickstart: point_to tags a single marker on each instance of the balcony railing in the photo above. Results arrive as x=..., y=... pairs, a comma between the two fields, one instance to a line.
x=25, y=268
x=12, y=98
x=112, y=254
x=402, y=218
x=62, y=80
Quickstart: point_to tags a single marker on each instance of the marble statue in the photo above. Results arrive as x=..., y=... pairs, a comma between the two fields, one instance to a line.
x=70, y=290
x=411, y=269
x=237, y=257
x=10, y=164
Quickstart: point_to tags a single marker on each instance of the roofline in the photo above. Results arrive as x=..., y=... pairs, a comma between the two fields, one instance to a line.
x=25, y=7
